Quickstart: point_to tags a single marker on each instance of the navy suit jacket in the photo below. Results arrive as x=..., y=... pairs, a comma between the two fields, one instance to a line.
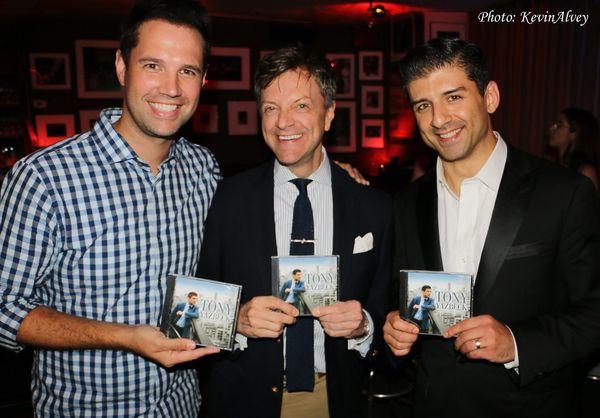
x=425, y=309
x=539, y=274
x=292, y=297
x=189, y=315
x=238, y=244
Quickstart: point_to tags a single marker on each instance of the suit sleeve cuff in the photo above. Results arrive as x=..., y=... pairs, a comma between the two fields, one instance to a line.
x=515, y=363
x=363, y=344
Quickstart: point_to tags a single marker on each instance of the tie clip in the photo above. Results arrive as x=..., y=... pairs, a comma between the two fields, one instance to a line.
x=304, y=241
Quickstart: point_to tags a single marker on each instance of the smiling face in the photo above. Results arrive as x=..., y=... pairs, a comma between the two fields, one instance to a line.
x=162, y=83
x=453, y=117
x=294, y=119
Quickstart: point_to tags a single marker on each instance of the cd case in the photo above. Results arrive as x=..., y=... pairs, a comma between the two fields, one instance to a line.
x=202, y=310
x=434, y=301
x=306, y=282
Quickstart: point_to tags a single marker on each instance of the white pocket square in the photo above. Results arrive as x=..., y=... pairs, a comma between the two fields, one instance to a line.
x=363, y=244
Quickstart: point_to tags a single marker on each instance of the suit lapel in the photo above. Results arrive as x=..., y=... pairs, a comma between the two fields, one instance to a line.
x=261, y=223
x=509, y=211
x=427, y=223
x=343, y=214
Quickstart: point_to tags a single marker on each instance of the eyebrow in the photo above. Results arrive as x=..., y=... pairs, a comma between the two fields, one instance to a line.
x=451, y=91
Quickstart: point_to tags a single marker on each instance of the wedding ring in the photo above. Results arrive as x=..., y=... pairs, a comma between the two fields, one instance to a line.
x=477, y=344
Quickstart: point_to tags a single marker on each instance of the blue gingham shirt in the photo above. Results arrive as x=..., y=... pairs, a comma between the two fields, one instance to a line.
x=86, y=228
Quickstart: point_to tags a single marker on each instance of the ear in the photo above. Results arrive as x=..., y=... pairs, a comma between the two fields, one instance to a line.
x=121, y=67
x=204, y=76
x=491, y=97
x=329, y=115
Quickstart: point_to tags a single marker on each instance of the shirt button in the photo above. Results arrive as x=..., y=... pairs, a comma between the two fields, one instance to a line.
x=275, y=389
x=464, y=260
x=158, y=236
x=279, y=340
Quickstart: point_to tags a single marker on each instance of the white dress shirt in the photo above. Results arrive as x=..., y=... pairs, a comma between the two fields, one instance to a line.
x=320, y=195
x=464, y=221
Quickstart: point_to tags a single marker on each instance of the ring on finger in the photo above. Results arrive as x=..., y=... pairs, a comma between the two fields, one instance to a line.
x=477, y=344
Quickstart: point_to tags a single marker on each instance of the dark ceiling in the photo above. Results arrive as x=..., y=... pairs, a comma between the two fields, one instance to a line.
x=319, y=11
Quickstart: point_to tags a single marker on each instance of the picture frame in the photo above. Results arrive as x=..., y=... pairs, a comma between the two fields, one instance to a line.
x=372, y=100
x=50, y=71
x=404, y=35
x=341, y=137
x=206, y=119
x=343, y=64
x=87, y=119
x=373, y=133
x=370, y=65
x=448, y=30
x=243, y=119
x=96, y=76
x=53, y=128
x=228, y=69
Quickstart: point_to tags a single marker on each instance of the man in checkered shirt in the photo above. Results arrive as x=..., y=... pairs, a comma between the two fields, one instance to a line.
x=91, y=227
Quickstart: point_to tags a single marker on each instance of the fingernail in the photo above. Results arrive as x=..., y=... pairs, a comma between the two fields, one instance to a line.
x=191, y=346
x=317, y=312
x=445, y=335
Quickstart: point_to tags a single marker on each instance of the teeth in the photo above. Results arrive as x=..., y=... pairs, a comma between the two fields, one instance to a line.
x=163, y=107
x=451, y=134
x=289, y=137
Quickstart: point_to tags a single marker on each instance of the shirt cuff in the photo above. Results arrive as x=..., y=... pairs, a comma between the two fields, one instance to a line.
x=363, y=344
x=515, y=363
x=241, y=342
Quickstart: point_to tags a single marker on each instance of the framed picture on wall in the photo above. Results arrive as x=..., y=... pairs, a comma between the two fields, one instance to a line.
x=87, y=119
x=448, y=30
x=404, y=36
x=53, y=128
x=341, y=137
x=373, y=133
x=50, y=71
x=96, y=77
x=228, y=69
x=242, y=118
x=370, y=65
x=372, y=100
x=206, y=119
x=343, y=64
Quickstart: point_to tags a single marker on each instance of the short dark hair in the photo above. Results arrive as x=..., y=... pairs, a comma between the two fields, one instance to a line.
x=438, y=53
x=192, y=294
x=188, y=13
x=293, y=58
x=424, y=288
x=296, y=271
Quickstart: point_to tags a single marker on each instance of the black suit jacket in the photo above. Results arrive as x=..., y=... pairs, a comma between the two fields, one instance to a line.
x=539, y=274
x=239, y=241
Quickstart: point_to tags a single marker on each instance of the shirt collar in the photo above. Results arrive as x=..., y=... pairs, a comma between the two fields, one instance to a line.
x=114, y=147
x=491, y=173
x=322, y=175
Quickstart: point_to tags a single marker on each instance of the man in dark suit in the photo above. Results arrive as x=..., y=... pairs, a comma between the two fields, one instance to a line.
x=183, y=314
x=528, y=228
x=291, y=289
x=250, y=221
x=419, y=307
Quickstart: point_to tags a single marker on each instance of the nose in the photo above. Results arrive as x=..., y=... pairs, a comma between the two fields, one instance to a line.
x=440, y=116
x=169, y=85
x=284, y=120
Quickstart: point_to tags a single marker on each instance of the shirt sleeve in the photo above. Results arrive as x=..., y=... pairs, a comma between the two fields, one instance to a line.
x=27, y=248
